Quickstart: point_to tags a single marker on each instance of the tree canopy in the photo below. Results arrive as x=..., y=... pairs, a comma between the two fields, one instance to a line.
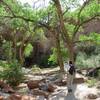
x=62, y=19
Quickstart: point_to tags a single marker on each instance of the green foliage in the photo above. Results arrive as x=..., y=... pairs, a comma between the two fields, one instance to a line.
x=47, y=16
x=85, y=61
x=28, y=50
x=53, y=56
x=12, y=73
x=91, y=82
x=93, y=37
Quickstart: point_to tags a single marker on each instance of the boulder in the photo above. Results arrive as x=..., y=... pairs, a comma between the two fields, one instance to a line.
x=40, y=92
x=8, y=89
x=25, y=97
x=20, y=97
x=78, y=80
x=51, y=88
x=1, y=98
x=34, y=83
x=15, y=97
x=5, y=87
x=60, y=82
x=92, y=96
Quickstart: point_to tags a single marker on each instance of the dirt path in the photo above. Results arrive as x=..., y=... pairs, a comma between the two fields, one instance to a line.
x=80, y=92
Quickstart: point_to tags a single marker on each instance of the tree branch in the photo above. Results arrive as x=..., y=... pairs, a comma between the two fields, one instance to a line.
x=89, y=40
x=64, y=32
x=80, y=24
x=66, y=11
x=19, y=17
x=8, y=7
x=82, y=8
x=78, y=17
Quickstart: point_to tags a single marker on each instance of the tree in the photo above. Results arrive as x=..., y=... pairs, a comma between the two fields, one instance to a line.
x=79, y=22
x=58, y=20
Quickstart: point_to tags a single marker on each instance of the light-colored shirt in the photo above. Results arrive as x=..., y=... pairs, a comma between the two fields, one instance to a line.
x=66, y=67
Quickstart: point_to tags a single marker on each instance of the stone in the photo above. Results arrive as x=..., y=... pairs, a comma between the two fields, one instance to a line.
x=78, y=80
x=5, y=87
x=8, y=89
x=92, y=96
x=1, y=98
x=34, y=83
x=1, y=84
x=25, y=97
x=51, y=88
x=60, y=82
x=40, y=92
x=20, y=97
x=15, y=97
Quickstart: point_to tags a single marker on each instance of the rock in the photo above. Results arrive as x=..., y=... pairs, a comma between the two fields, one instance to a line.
x=60, y=82
x=92, y=96
x=1, y=98
x=51, y=88
x=22, y=85
x=1, y=84
x=25, y=97
x=40, y=92
x=20, y=97
x=78, y=80
x=98, y=85
x=15, y=97
x=43, y=86
x=94, y=72
x=34, y=83
x=7, y=89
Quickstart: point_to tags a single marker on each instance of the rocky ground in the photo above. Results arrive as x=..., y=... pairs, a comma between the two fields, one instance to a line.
x=36, y=88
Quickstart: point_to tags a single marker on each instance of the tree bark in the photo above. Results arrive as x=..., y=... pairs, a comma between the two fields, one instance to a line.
x=21, y=52
x=59, y=56
x=67, y=39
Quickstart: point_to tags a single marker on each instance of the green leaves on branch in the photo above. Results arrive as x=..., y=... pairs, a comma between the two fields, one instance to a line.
x=93, y=37
x=28, y=50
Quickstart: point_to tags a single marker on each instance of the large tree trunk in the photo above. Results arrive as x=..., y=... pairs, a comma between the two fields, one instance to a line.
x=21, y=57
x=71, y=51
x=66, y=38
x=59, y=56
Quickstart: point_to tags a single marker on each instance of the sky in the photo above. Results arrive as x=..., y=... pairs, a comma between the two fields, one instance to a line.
x=41, y=3
x=36, y=3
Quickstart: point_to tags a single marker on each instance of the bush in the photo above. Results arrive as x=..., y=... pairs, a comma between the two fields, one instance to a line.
x=91, y=82
x=83, y=61
x=53, y=56
x=12, y=73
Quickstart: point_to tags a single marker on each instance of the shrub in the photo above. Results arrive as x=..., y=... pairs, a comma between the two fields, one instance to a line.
x=53, y=56
x=12, y=73
x=83, y=61
x=91, y=82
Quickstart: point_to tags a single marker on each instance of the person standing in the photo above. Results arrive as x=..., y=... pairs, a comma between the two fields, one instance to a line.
x=70, y=76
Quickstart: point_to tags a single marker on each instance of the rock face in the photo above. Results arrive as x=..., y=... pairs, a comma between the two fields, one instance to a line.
x=92, y=26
